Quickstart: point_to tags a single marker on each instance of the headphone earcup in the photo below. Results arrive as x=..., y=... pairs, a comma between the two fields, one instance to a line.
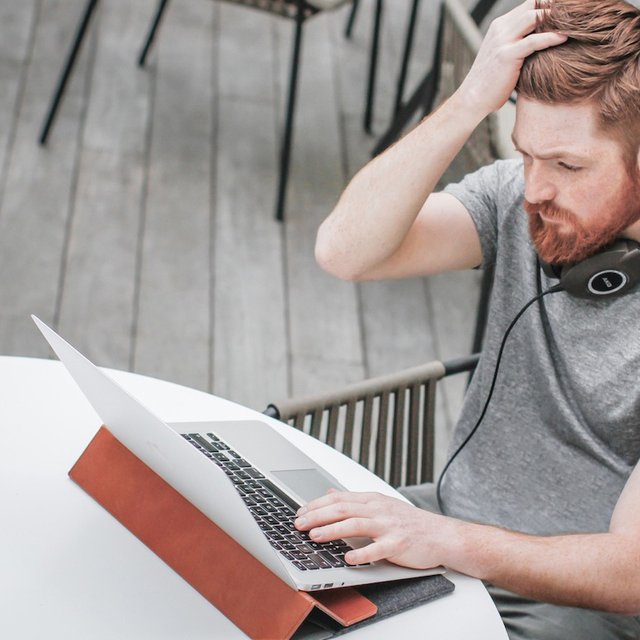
x=611, y=272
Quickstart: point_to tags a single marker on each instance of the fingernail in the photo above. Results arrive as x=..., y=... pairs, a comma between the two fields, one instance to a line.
x=302, y=511
x=301, y=522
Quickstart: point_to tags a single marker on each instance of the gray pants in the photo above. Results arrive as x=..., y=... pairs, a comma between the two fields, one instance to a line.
x=527, y=619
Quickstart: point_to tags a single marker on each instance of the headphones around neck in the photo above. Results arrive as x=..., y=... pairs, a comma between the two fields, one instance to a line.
x=611, y=272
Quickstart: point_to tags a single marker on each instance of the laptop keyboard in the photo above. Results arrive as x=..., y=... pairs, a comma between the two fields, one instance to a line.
x=272, y=509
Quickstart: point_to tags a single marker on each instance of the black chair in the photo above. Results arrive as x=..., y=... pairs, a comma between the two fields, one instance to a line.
x=422, y=99
x=297, y=10
x=406, y=55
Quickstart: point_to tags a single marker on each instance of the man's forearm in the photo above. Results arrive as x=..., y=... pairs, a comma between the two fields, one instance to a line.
x=598, y=571
x=382, y=201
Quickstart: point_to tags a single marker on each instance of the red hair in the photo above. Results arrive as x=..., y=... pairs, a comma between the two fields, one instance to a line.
x=599, y=63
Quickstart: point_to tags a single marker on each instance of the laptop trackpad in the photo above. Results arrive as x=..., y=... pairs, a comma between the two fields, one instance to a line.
x=306, y=484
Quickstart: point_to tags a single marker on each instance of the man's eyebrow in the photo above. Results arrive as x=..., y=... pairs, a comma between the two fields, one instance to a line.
x=560, y=153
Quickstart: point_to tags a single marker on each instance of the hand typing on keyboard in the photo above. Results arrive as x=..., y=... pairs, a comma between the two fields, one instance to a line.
x=271, y=508
x=401, y=533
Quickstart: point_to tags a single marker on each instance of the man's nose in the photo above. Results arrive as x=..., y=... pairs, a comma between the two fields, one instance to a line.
x=538, y=186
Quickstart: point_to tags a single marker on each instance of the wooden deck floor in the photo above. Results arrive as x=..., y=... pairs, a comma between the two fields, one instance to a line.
x=144, y=231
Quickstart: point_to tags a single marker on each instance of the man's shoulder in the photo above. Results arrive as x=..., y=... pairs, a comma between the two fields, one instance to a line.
x=497, y=185
x=510, y=167
x=505, y=175
x=499, y=174
x=492, y=196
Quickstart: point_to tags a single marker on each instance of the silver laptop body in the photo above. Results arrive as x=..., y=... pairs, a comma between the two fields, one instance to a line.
x=189, y=467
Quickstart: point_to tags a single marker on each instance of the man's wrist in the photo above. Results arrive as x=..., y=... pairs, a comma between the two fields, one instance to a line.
x=450, y=540
x=464, y=546
x=469, y=110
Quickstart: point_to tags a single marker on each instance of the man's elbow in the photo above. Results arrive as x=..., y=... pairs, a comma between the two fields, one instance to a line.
x=629, y=603
x=625, y=600
x=333, y=260
x=622, y=595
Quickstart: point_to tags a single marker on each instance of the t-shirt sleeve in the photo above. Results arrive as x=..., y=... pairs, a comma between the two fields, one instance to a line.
x=479, y=193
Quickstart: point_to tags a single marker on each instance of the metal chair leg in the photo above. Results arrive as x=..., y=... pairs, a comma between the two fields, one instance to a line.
x=481, y=9
x=373, y=64
x=142, y=58
x=287, y=138
x=424, y=93
x=67, y=69
x=408, y=46
x=352, y=18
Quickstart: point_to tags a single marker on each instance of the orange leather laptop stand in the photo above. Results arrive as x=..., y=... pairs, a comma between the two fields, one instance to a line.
x=214, y=564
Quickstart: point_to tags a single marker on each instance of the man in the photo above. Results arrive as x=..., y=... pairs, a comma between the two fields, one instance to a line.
x=543, y=502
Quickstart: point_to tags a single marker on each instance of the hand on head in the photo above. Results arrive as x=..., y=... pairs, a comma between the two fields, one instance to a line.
x=509, y=40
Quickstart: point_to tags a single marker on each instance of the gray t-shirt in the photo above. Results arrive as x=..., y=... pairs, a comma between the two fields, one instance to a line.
x=562, y=431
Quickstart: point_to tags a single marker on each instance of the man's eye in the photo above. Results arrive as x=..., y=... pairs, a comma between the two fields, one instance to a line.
x=569, y=167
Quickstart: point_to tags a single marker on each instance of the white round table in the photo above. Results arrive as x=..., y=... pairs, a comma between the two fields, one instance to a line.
x=70, y=570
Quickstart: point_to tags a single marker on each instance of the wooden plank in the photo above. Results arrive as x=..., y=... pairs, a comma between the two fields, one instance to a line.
x=453, y=303
x=397, y=325
x=351, y=59
x=17, y=20
x=423, y=45
x=244, y=38
x=101, y=270
x=394, y=314
x=250, y=345
x=172, y=334
x=326, y=349
x=40, y=181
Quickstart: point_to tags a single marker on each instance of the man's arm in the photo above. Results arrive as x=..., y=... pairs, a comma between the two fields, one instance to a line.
x=597, y=571
x=387, y=223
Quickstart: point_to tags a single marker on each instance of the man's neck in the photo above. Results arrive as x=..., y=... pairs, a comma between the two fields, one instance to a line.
x=632, y=232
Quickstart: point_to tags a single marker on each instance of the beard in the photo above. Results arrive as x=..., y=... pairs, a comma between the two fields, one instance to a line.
x=564, y=238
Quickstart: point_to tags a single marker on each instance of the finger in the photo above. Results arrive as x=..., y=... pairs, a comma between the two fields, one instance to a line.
x=380, y=550
x=528, y=21
x=529, y=5
x=525, y=23
x=335, y=512
x=537, y=42
x=351, y=528
x=334, y=497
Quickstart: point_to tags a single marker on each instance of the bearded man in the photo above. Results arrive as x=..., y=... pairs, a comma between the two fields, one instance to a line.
x=543, y=501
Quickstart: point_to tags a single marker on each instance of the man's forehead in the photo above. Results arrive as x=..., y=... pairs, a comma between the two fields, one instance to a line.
x=559, y=129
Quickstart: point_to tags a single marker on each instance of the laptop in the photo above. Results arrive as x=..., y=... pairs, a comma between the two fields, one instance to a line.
x=243, y=475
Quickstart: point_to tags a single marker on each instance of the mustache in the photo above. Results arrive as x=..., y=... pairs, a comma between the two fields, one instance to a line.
x=550, y=210
x=575, y=244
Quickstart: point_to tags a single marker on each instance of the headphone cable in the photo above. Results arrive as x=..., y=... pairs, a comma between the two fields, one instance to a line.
x=520, y=313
